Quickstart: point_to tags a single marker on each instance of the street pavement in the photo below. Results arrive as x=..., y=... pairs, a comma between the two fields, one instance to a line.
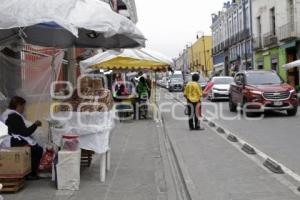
x=160, y=160
x=215, y=168
x=138, y=171
x=276, y=134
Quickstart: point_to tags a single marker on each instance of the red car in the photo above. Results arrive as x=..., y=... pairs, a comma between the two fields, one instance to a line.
x=259, y=91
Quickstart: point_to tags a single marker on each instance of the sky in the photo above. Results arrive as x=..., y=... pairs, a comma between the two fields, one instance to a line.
x=169, y=25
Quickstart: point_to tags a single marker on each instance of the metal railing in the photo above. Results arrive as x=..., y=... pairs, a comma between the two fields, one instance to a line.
x=222, y=45
x=245, y=34
x=226, y=43
x=287, y=31
x=232, y=40
x=257, y=43
x=270, y=39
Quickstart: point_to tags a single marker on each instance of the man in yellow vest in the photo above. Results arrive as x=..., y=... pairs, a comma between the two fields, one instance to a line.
x=193, y=94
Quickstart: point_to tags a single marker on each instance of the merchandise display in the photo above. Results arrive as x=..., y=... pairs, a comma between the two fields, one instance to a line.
x=90, y=97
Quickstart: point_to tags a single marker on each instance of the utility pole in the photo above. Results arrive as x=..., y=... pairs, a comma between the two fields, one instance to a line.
x=72, y=68
x=205, y=64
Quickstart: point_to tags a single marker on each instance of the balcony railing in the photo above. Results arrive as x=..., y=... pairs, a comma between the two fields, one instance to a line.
x=226, y=45
x=233, y=41
x=245, y=34
x=287, y=31
x=257, y=43
x=222, y=46
x=270, y=39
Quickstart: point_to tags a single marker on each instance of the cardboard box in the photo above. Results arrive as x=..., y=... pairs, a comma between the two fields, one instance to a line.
x=15, y=162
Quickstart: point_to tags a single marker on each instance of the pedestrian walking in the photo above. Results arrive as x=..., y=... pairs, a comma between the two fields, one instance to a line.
x=142, y=90
x=193, y=94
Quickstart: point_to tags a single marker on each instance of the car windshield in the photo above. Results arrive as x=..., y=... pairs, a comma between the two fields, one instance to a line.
x=176, y=80
x=263, y=79
x=202, y=79
x=223, y=81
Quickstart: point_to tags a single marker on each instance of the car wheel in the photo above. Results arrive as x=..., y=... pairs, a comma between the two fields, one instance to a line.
x=232, y=106
x=292, y=112
x=243, y=110
x=249, y=113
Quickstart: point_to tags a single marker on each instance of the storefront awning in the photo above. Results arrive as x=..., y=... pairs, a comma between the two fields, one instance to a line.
x=288, y=45
x=292, y=65
x=129, y=60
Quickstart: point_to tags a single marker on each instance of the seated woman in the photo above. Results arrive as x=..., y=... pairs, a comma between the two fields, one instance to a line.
x=20, y=134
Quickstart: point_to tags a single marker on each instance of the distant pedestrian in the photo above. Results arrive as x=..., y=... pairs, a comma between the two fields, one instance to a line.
x=149, y=84
x=142, y=90
x=193, y=94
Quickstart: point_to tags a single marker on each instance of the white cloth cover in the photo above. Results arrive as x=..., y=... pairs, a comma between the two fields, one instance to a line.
x=71, y=14
x=140, y=54
x=29, y=139
x=68, y=170
x=93, y=129
x=4, y=137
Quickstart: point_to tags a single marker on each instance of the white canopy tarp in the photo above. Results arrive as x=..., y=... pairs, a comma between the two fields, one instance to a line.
x=292, y=65
x=141, y=54
x=70, y=14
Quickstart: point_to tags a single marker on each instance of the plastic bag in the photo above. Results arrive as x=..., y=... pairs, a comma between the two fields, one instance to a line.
x=47, y=159
x=186, y=110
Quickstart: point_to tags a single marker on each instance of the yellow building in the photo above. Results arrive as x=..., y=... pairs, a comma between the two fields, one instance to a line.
x=200, y=56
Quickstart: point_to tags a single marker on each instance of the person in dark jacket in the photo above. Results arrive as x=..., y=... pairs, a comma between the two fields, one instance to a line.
x=21, y=134
x=142, y=91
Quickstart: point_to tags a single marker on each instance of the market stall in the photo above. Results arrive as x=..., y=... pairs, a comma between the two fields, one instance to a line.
x=129, y=60
x=66, y=24
x=88, y=115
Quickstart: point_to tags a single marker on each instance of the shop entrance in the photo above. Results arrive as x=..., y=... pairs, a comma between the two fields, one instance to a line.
x=292, y=74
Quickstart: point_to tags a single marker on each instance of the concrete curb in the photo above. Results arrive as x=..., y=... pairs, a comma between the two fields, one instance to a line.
x=169, y=179
x=273, y=166
x=191, y=191
x=232, y=138
x=248, y=149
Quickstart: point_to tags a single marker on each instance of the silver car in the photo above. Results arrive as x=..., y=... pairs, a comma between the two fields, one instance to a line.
x=220, y=89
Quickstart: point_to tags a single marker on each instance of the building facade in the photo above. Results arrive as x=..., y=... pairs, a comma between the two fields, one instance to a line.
x=232, y=39
x=276, y=34
x=200, y=55
x=182, y=62
x=126, y=8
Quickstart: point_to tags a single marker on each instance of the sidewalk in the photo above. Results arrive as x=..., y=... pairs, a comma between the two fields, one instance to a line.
x=137, y=171
x=215, y=170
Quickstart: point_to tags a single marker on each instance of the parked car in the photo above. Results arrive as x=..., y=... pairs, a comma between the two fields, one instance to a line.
x=220, y=89
x=202, y=81
x=175, y=85
x=165, y=82
x=159, y=82
x=262, y=91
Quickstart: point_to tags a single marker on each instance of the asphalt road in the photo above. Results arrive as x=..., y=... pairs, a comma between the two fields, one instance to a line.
x=275, y=134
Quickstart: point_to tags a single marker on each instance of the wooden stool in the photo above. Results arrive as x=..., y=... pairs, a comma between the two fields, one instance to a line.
x=12, y=184
x=86, y=158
